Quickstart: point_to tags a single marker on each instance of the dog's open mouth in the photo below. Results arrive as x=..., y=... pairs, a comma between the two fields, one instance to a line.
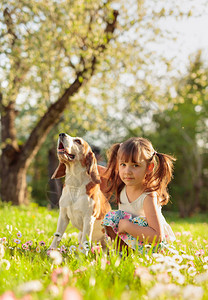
x=61, y=150
x=61, y=147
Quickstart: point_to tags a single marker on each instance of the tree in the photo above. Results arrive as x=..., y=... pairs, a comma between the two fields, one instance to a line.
x=49, y=51
x=46, y=47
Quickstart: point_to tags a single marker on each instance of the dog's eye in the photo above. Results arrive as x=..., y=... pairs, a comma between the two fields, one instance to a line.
x=78, y=141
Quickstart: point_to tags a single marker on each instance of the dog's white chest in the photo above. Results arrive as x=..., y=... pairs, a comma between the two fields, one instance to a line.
x=69, y=196
x=76, y=204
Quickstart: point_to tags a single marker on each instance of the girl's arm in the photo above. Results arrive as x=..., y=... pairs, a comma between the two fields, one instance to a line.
x=151, y=233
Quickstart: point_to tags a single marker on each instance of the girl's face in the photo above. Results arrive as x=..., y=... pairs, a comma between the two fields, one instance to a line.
x=132, y=173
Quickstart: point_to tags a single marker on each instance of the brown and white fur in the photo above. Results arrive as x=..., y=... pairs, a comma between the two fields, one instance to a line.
x=82, y=201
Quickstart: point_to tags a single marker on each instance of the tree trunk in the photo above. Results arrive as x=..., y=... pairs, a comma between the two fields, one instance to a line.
x=13, y=184
x=13, y=172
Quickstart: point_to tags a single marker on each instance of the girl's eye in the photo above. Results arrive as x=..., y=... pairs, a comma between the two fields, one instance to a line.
x=122, y=164
x=136, y=165
x=78, y=141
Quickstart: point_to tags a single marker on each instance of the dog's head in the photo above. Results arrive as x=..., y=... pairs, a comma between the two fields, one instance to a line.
x=73, y=149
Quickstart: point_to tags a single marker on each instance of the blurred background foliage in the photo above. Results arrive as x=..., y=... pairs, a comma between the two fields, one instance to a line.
x=178, y=127
x=135, y=91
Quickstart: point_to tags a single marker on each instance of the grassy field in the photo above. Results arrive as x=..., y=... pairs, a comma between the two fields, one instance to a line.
x=29, y=271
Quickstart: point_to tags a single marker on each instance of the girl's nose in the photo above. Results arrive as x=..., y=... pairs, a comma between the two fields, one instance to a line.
x=127, y=170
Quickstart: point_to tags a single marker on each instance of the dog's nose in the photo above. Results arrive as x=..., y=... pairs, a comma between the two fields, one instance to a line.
x=62, y=134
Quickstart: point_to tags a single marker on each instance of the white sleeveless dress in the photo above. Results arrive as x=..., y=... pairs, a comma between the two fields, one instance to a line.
x=134, y=212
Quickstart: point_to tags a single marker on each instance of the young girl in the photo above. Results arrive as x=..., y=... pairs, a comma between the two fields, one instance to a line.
x=138, y=175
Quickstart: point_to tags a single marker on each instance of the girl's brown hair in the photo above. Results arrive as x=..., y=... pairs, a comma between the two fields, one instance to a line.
x=132, y=150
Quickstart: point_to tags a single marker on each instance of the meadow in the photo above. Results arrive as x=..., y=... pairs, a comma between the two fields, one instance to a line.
x=29, y=271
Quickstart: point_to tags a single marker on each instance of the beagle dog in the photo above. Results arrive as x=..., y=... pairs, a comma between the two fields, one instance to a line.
x=82, y=201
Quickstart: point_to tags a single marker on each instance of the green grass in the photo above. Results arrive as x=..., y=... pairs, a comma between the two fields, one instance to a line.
x=179, y=273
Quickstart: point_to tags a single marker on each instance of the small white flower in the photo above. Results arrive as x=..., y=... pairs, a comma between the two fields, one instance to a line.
x=85, y=248
x=5, y=261
x=56, y=257
x=3, y=240
x=188, y=257
x=92, y=281
x=160, y=259
x=206, y=259
x=2, y=251
x=30, y=243
x=117, y=262
x=19, y=235
x=144, y=274
x=86, y=245
x=183, y=267
x=186, y=233
x=64, y=235
x=157, y=268
x=147, y=257
x=63, y=249
x=192, y=292
x=170, y=263
x=31, y=286
x=163, y=277
x=178, y=276
x=201, y=277
x=191, y=271
x=103, y=263
x=9, y=228
x=157, y=255
x=38, y=249
x=93, y=262
x=72, y=248
x=160, y=289
x=17, y=241
x=177, y=258
x=73, y=234
x=53, y=289
x=48, y=217
x=173, y=251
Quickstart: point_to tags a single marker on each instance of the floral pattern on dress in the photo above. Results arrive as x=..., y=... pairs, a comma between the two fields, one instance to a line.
x=112, y=219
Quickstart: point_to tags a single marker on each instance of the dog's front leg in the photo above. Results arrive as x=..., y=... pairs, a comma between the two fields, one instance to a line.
x=84, y=244
x=63, y=221
x=88, y=229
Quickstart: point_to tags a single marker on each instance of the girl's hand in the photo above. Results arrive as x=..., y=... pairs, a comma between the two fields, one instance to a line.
x=122, y=225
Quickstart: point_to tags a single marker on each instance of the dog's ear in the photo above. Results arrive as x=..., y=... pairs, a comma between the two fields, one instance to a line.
x=59, y=172
x=91, y=165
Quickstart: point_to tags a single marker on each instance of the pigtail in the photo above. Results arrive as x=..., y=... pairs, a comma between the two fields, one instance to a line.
x=159, y=180
x=114, y=183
